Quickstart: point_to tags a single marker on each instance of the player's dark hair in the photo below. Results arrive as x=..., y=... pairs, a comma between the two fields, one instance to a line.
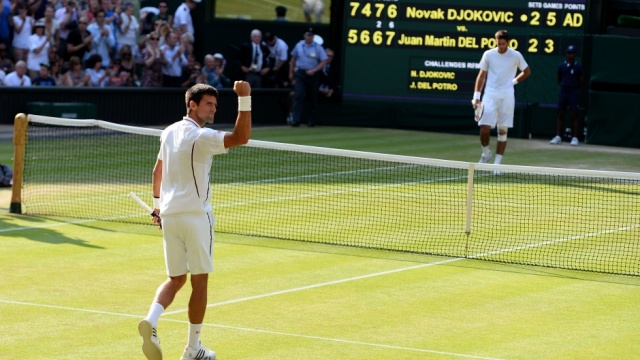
x=502, y=34
x=197, y=92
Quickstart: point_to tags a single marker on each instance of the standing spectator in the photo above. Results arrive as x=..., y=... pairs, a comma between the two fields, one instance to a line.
x=92, y=10
x=36, y=8
x=498, y=69
x=5, y=15
x=53, y=55
x=214, y=70
x=184, y=202
x=278, y=76
x=44, y=78
x=307, y=60
x=153, y=59
x=281, y=13
x=75, y=77
x=103, y=39
x=570, y=80
x=95, y=71
x=38, y=49
x=128, y=28
x=22, y=30
x=51, y=26
x=67, y=17
x=313, y=7
x=163, y=14
x=19, y=76
x=182, y=19
x=174, y=61
x=79, y=41
x=252, y=60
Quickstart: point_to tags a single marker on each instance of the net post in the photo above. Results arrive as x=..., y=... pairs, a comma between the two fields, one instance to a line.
x=467, y=229
x=19, y=141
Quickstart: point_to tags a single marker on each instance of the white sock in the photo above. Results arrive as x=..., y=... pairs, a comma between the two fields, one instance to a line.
x=194, y=335
x=154, y=314
x=485, y=149
x=498, y=160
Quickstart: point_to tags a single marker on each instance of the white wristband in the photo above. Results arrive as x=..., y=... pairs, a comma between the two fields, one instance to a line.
x=515, y=81
x=156, y=202
x=476, y=95
x=244, y=103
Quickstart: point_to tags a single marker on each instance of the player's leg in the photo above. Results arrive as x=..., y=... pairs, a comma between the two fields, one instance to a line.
x=199, y=244
x=176, y=264
x=506, y=108
x=486, y=123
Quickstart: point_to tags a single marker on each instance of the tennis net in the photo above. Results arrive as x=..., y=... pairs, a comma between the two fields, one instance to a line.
x=572, y=219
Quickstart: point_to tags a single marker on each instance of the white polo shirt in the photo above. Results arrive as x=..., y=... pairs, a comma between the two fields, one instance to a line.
x=501, y=69
x=186, y=151
x=182, y=17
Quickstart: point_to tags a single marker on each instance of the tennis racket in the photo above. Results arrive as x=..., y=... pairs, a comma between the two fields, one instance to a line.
x=146, y=207
x=478, y=111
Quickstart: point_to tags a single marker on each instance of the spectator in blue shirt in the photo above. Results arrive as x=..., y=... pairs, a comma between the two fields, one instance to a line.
x=308, y=58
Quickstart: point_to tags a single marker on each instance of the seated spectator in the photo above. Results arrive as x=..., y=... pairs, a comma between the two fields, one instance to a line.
x=6, y=62
x=53, y=55
x=127, y=62
x=330, y=78
x=214, y=70
x=196, y=76
x=75, y=77
x=56, y=71
x=94, y=68
x=153, y=60
x=116, y=77
x=44, y=78
x=19, y=76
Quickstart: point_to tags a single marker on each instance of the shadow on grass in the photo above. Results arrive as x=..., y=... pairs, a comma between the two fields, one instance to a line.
x=40, y=230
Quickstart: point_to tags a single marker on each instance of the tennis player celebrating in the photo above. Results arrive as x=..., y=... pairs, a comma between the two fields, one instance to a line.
x=182, y=198
x=501, y=64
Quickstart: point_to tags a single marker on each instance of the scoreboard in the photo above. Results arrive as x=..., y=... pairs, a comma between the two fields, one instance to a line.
x=417, y=50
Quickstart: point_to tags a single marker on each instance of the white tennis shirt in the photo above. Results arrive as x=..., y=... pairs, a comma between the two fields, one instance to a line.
x=501, y=69
x=186, y=151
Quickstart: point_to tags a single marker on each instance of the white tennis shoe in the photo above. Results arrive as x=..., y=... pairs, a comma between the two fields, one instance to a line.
x=150, y=340
x=574, y=141
x=556, y=140
x=485, y=157
x=199, y=353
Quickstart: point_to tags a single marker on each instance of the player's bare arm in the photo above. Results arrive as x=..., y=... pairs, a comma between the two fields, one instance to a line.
x=524, y=74
x=242, y=130
x=480, y=81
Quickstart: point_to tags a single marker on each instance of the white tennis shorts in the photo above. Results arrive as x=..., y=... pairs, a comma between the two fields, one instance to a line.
x=188, y=243
x=498, y=111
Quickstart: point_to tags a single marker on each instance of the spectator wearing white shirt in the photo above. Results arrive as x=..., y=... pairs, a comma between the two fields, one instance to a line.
x=19, y=76
x=175, y=60
x=129, y=28
x=103, y=39
x=38, y=49
x=182, y=18
x=22, y=29
x=278, y=76
x=67, y=18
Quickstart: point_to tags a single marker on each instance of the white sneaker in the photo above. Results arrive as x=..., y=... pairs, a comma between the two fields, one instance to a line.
x=556, y=140
x=199, y=353
x=574, y=141
x=150, y=340
x=485, y=157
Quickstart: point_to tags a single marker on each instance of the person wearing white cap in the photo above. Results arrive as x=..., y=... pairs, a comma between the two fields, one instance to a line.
x=38, y=49
x=182, y=18
x=214, y=69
